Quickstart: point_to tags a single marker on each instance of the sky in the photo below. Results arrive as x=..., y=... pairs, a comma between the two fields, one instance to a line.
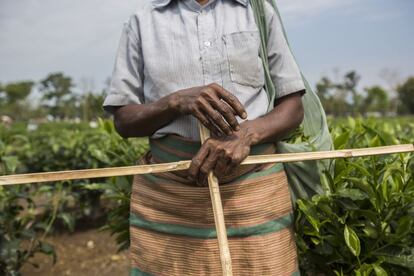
x=329, y=38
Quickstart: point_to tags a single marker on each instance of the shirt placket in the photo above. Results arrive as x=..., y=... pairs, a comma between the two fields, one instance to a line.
x=211, y=56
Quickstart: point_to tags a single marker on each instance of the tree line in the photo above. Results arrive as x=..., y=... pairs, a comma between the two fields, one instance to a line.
x=60, y=101
x=343, y=98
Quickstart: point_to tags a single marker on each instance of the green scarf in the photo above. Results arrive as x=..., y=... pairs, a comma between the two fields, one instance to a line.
x=304, y=177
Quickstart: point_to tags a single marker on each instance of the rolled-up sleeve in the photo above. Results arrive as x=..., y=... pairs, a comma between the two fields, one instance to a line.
x=284, y=70
x=127, y=78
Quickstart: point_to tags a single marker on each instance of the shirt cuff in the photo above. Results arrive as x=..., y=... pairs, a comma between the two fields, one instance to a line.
x=289, y=87
x=116, y=100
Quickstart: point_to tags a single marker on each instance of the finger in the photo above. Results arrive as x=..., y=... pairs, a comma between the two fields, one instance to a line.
x=221, y=165
x=197, y=161
x=207, y=166
x=205, y=121
x=209, y=163
x=231, y=100
x=214, y=116
x=202, y=180
x=218, y=132
x=227, y=112
x=233, y=165
x=231, y=168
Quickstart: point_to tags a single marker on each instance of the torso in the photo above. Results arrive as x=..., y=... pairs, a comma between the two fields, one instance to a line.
x=184, y=45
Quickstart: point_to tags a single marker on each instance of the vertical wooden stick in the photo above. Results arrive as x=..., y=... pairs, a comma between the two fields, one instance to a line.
x=225, y=257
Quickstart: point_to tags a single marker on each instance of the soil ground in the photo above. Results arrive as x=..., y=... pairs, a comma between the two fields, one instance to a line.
x=88, y=253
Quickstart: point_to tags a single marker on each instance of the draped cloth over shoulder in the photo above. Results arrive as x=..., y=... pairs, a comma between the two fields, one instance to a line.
x=304, y=177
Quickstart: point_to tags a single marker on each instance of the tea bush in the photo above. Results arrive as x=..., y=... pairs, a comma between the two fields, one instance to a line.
x=39, y=208
x=361, y=225
x=19, y=228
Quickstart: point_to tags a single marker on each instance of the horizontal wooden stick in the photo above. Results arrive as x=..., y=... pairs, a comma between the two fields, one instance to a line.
x=182, y=165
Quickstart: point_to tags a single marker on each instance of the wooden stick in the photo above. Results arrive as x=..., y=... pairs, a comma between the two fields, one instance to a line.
x=213, y=185
x=183, y=165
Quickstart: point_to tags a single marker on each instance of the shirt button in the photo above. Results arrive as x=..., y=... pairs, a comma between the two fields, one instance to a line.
x=207, y=43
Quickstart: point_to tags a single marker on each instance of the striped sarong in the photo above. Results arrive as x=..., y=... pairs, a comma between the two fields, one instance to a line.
x=172, y=224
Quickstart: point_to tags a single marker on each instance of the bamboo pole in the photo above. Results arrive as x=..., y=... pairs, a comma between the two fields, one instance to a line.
x=215, y=196
x=183, y=165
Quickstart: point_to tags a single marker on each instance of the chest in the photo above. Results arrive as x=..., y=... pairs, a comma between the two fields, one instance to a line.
x=183, y=48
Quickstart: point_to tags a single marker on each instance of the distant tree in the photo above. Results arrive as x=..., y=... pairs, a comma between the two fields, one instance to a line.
x=349, y=88
x=341, y=97
x=2, y=95
x=57, y=94
x=323, y=87
x=17, y=91
x=376, y=100
x=406, y=96
x=92, y=106
x=336, y=96
x=13, y=99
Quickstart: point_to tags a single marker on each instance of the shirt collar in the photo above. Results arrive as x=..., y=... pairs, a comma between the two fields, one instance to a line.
x=162, y=3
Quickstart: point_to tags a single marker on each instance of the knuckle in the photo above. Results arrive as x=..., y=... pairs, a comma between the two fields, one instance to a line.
x=198, y=101
x=204, y=170
x=213, y=85
x=191, y=171
x=192, y=108
x=232, y=98
x=195, y=162
x=220, y=149
x=203, y=93
x=224, y=106
x=208, y=90
x=235, y=158
x=215, y=116
x=228, y=153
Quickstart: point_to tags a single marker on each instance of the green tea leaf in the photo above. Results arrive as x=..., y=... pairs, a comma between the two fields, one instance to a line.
x=405, y=226
x=352, y=240
x=354, y=194
x=401, y=260
x=11, y=163
x=370, y=231
x=309, y=213
x=69, y=220
x=341, y=141
x=379, y=271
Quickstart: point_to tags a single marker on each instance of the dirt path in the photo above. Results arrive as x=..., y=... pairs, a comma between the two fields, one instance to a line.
x=82, y=253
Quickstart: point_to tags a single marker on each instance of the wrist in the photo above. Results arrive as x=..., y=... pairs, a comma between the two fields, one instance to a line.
x=173, y=103
x=250, y=133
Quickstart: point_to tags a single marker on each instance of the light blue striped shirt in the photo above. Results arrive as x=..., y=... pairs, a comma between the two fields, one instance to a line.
x=169, y=45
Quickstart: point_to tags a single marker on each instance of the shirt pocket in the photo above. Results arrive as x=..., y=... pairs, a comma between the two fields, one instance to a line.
x=243, y=58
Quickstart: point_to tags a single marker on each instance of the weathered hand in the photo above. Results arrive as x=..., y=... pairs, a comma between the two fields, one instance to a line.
x=215, y=107
x=221, y=155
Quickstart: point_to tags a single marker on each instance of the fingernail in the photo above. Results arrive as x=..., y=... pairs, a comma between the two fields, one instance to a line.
x=237, y=127
x=244, y=115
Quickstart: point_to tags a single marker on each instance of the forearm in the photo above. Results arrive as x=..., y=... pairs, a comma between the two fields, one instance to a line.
x=278, y=123
x=141, y=120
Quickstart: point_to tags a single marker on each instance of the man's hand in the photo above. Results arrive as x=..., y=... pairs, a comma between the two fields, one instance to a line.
x=224, y=154
x=215, y=107
x=221, y=155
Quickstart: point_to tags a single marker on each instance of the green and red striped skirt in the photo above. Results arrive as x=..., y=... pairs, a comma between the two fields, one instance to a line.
x=172, y=224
